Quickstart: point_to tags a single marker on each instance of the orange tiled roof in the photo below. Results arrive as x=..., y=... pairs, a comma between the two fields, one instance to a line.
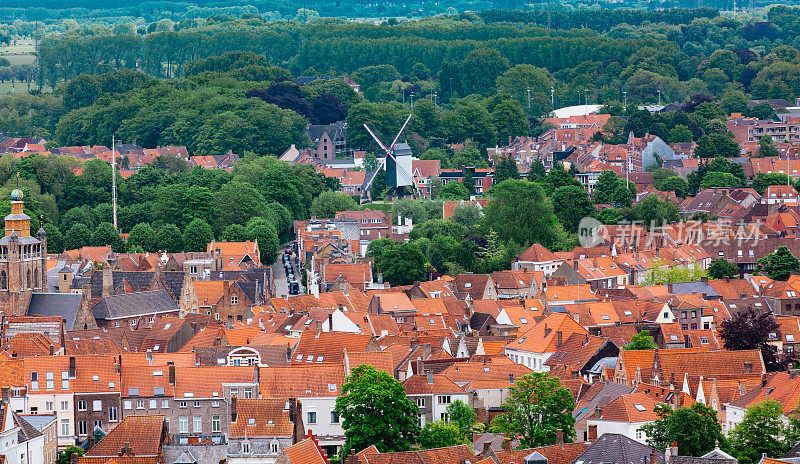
x=142, y=433
x=309, y=380
x=264, y=417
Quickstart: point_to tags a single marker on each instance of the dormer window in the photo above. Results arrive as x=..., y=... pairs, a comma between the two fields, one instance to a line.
x=251, y=421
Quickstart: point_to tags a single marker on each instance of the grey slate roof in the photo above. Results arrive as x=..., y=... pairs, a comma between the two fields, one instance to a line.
x=26, y=430
x=694, y=460
x=607, y=394
x=64, y=305
x=140, y=281
x=134, y=304
x=38, y=421
x=618, y=449
x=183, y=454
x=699, y=287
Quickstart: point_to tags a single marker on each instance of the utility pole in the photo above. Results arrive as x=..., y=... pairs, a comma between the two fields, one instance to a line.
x=586, y=100
x=625, y=93
x=553, y=97
x=529, y=97
x=659, y=97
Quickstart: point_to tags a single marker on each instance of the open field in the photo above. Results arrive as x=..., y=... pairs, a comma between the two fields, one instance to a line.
x=20, y=53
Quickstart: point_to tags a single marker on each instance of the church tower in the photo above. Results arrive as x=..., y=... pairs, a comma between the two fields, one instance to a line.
x=23, y=260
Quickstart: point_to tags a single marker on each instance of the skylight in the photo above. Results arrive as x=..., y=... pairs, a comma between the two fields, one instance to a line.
x=639, y=407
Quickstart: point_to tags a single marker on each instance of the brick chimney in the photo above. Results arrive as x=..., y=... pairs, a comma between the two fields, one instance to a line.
x=487, y=446
x=108, y=282
x=72, y=368
x=654, y=456
x=234, y=411
x=560, y=437
x=507, y=444
x=559, y=338
x=171, y=368
x=6, y=395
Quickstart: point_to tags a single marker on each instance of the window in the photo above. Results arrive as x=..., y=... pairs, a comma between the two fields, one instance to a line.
x=444, y=399
x=197, y=424
x=638, y=434
x=234, y=300
x=139, y=404
x=165, y=404
x=153, y=404
x=81, y=427
x=181, y=404
x=97, y=405
x=133, y=391
x=81, y=405
x=248, y=392
x=34, y=380
x=127, y=404
x=790, y=338
x=112, y=414
x=158, y=391
x=235, y=391
x=196, y=404
x=183, y=424
x=246, y=447
x=3, y=281
x=704, y=340
x=639, y=407
x=274, y=447
x=65, y=380
x=65, y=405
x=312, y=417
x=215, y=404
x=334, y=417
x=49, y=380
x=48, y=405
x=444, y=417
x=216, y=426
x=65, y=427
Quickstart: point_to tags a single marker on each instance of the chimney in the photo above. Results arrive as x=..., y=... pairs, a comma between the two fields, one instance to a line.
x=653, y=456
x=234, y=412
x=487, y=445
x=108, y=282
x=507, y=444
x=426, y=350
x=330, y=322
x=52, y=350
x=429, y=376
x=256, y=374
x=559, y=337
x=126, y=450
x=560, y=437
x=72, y=368
x=6, y=394
x=171, y=367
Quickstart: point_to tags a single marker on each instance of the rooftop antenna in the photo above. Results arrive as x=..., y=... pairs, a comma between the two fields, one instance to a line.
x=114, y=178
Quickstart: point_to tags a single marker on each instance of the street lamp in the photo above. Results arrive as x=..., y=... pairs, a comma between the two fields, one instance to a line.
x=625, y=93
x=659, y=97
x=553, y=97
x=529, y=97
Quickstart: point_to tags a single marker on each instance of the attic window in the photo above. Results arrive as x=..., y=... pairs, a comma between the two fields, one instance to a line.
x=468, y=285
x=111, y=384
x=320, y=358
x=522, y=339
x=332, y=387
x=485, y=368
x=704, y=340
x=169, y=324
x=757, y=304
x=639, y=407
x=310, y=358
x=251, y=421
x=605, y=317
x=156, y=347
x=790, y=338
x=522, y=320
x=300, y=357
x=188, y=394
x=673, y=337
x=269, y=421
x=158, y=373
x=220, y=360
x=215, y=393
x=95, y=378
x=791, y=293
x=732, y=305
x=432, y=322
x=628, y=313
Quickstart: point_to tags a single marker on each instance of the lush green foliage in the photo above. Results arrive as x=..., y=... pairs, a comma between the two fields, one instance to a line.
x=641, y=341
x=695, y=429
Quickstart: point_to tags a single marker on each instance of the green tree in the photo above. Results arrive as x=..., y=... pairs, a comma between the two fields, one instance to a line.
x=537, y=171
x=235, y=233
x=653, y=212
x=236, y=202
x=521, y=212
x=329, y=203
x=65, y=456
x=713, y=145
x=605, y=187
x=376, y=411
x=480, y=70
x=679, y=134
x=440, y=434
x=537, y=406
x=262, y=230
x=695, y=429
x=721, y=268
x=463, y=417
x=379, y=185
x=402, y=264
x=766, y=147
x=142, y=236
x=78, y=236
x=571, y=204
x=80, y=92
x=509, y=120
x=761, y=432
x=506, y=168
x=720, y=179
x=765, y=179
x=779, y=264
x=641, y=341
x=197, y=235
x=55, y=240
x=467, y=215
x=106, y=234
x=454, y=190
x=168, y=238
x=674, y=184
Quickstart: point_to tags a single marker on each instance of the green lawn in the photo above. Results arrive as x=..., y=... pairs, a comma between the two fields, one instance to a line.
x=19, y=54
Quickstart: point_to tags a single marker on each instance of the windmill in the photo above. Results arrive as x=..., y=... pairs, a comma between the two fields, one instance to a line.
x=397, y=163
